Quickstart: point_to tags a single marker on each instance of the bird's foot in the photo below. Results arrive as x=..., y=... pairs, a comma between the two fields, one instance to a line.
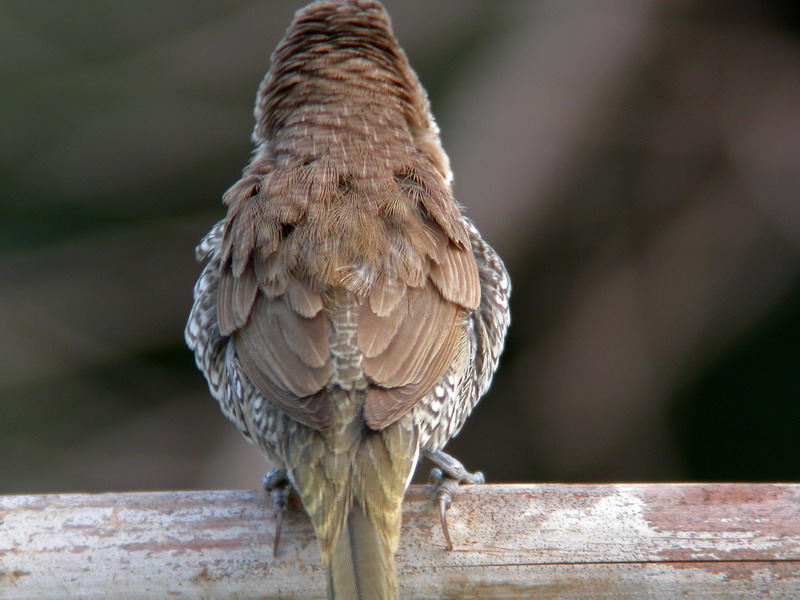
x=446, y=478
x=277, y=484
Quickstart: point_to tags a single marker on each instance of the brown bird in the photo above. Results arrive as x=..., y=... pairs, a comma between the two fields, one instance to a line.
x=349, y=317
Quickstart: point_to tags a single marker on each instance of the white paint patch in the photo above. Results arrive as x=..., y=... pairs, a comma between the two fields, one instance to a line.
x=611, y=518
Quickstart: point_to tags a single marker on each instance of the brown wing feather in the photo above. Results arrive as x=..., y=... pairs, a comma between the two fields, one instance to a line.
x=427, y=341
x=456, y=277
x=385, y=405
x=225, y=315
x=281, y=343
x=286, y=357
x=302, y=298
x=237, y=295
x=427, y=324
x=302, y=334
x=379, y=320
x=272, y=279
x=385, y=295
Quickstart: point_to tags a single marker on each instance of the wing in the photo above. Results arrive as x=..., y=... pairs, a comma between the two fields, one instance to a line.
x=410, y=335
x=274, y=316
x=281, y=343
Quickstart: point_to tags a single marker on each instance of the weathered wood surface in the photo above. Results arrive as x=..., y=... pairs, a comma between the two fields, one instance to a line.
x=512, y=541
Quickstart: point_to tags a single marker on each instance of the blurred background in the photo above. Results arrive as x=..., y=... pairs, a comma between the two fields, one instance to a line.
x=635, y=162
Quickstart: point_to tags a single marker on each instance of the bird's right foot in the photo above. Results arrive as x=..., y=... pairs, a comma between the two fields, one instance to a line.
x=446, y=479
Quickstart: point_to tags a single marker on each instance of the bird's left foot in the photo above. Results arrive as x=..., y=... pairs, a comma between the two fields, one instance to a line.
x=446, y=479
x=278, y=486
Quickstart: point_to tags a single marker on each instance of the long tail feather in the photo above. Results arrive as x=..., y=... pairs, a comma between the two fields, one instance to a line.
x=362, y=564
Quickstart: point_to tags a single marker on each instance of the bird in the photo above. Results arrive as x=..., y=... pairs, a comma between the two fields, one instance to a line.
x=349, y=316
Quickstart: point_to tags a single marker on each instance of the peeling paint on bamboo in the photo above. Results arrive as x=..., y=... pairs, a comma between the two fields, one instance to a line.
x=512, y=541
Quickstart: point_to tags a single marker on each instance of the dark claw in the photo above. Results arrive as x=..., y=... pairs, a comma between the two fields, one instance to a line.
x=276, y=483
x=279, y=512
x=443, y=521
x=441, y=496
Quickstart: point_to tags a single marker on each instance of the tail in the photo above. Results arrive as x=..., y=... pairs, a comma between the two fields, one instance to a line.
x=362, y=564
x=351, y=481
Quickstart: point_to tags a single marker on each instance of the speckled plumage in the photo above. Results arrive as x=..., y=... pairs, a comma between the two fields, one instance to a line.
x=348, y=317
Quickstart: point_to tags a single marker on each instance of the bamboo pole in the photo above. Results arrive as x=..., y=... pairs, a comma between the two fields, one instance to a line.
x=662, y=541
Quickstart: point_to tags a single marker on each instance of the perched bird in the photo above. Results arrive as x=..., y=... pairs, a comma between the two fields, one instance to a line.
x=349, y=317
